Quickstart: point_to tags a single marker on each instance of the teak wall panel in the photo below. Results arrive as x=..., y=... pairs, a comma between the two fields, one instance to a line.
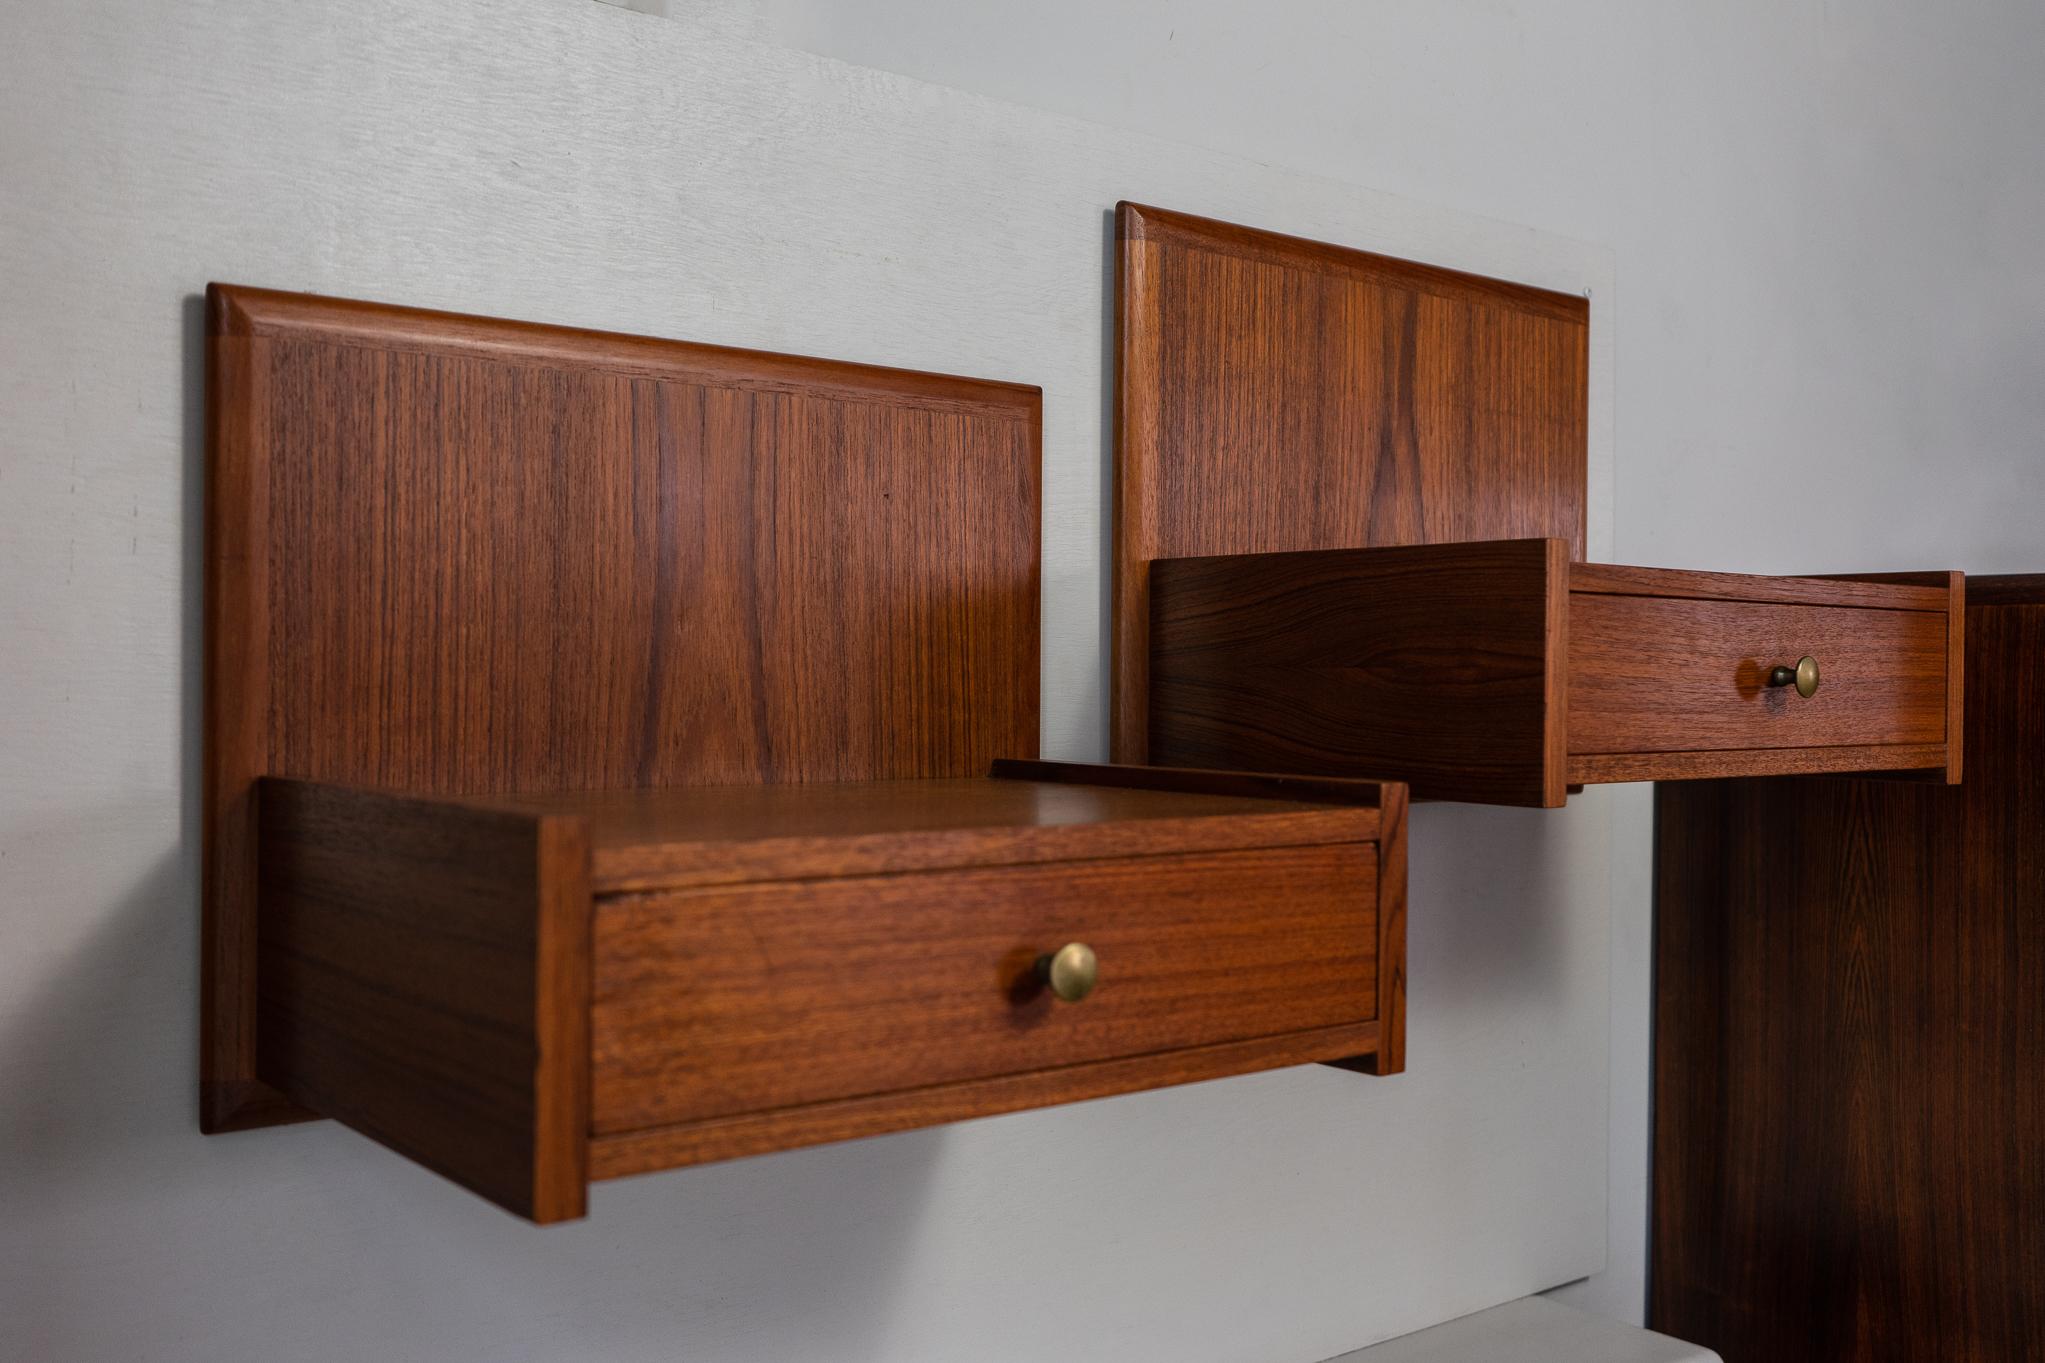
x=1278, y=394
x=508, y=578
x=1849, y=1132
x=452, y=554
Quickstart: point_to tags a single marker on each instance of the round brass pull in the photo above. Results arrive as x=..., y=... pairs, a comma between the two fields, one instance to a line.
x=1804, y=676
x=1070, y=972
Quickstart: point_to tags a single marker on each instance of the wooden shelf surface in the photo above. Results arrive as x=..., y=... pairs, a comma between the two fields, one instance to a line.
x=641, y=839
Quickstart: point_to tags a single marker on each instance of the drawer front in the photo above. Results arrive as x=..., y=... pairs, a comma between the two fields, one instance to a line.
x=742, y=998
x=1662, y=674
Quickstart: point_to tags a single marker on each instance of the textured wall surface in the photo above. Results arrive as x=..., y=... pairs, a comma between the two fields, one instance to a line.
x=1823, y=220
x=579, y=163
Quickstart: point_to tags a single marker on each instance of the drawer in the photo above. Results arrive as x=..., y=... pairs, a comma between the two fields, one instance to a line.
x=528, y=992
x=1672, y=674
x=1502, y=672
x=733, y=999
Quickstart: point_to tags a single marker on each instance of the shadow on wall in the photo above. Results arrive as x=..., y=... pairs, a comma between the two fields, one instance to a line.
x=314, y=1234
x=1486, y=879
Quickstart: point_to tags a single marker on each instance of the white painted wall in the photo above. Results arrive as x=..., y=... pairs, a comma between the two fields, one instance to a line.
x=1825, y=225
x=582, y=163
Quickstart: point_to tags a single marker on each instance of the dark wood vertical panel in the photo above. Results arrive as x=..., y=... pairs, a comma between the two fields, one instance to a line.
x=236, y=590
x=1443, y=664
x=1391, y=1054
x=424, y=977
x=1849, y=1136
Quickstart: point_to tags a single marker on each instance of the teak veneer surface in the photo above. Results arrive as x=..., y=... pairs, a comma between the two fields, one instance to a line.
x=423, y=975
x=462, y=978
x=1434, y=661
x=731, y=999
x=711, y=835
x=1278, y=394
x=1849, y=1132
x=1501, y=671
x=451, y=554
x=1676, y=675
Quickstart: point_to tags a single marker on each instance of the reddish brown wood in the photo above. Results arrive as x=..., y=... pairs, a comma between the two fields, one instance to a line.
x=1878, y=760
x=668, y=1147
x=778, y=965
x=1434, y=663
x=1849, y=1135
x=1674, y=674
x=1501, y=672
x=716, y=1002
x=1389, y=1057
x=1254, y=785
x=424, y=976
x=1388, y=1054
x=671, y=839
x=1274, y=394
x=1874, y=591
x=236, y=718
x=2006, y=589
x=1954, y=585
x=452, y=554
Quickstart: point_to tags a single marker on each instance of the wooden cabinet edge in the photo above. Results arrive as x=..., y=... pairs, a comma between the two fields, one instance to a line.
x=1710, y=764
x=423, y=955
x=668, y=1147
x=1954, y=585
x=377, y=1018
x=1254, y=785
x=1390, y=1055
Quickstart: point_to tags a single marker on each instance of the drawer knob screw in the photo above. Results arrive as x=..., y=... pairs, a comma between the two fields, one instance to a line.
x=1070, y=972
x=1804, y=676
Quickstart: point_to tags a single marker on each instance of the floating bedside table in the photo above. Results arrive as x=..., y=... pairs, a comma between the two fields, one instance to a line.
x=1349, y=539
x=598, y=747
x=526, y=993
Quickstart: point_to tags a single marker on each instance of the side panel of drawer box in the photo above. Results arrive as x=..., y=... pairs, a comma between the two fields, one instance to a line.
x=717, y=1002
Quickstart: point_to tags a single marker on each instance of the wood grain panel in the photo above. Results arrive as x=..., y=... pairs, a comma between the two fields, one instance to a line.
x=1872, y=591
x=1912, y=760
x=710, y=835
x=1437, y=664
x=1849, y=1136
x=423, y=973
x=1953, y=585
x=710, y=1003
x=666, y=1147
x=1669, y=674
x=451, y=554
x=1275, y=394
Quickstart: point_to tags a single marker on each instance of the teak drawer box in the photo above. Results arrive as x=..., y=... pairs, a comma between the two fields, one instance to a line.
x=527, y=992
x=1502, y=672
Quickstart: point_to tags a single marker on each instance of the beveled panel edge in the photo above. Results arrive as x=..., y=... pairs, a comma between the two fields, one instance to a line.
x=242, y=310
x=1145, y=222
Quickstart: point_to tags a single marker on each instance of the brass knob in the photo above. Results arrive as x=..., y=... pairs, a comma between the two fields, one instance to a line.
x=1804, y=676
x=1070, y=972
